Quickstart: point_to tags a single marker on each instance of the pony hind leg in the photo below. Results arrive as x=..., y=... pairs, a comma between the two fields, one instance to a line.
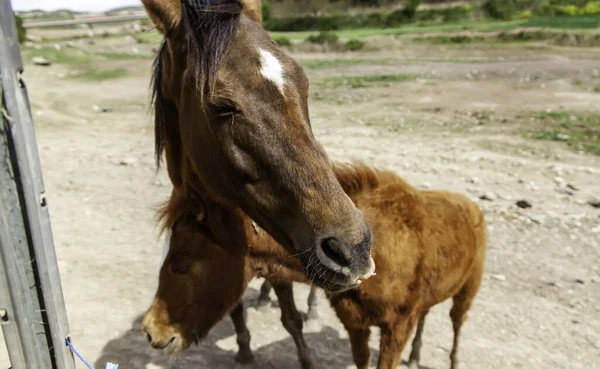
x=244, y=355
x=313, y=302
x=264, y=299
x=292, y=322
x=461, y=304
x=415, y=354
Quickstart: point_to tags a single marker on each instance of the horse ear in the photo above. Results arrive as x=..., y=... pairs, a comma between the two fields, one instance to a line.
x=252, y=10
x=165, y=14
x=201, y=216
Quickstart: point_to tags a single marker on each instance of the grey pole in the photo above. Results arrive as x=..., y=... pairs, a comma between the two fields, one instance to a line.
x=32, y=308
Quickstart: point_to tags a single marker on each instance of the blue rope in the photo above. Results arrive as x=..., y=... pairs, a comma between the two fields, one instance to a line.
x=108, y=365
x=77, y=353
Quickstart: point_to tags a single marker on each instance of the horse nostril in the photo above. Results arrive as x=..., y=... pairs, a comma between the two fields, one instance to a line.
x=334, y=251
x=148, y=337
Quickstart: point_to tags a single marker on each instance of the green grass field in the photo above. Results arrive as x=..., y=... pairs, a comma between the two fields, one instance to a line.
x=584, y=23
x=92, y=74
x=383, y=80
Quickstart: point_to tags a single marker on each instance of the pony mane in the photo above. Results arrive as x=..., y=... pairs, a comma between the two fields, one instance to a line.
x=358, y=177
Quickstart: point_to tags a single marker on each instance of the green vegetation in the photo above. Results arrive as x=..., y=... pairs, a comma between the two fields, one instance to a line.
x=537, y=22
x=266, y=10
x=383, y=80
x=20, y=29
x=541, y=13
x=336, y=63
x=72, y=56
x=580, y=133
x=61, y=56
x=345, y=62
x=410, y=8
x=577, y=22
x=323, y=38
x=282, y=41
x=500, y=9
x=101, y=74
x=367, y=20
x=513, y=9
x=354, y=45
x=550, y=36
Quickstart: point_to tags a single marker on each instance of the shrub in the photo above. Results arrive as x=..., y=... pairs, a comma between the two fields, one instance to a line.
x=410, y=8
x=500, y=9
x=323, y=38
x=592, y=8
x=283, y=41
x=354, y=45
x=568, y=10
x=523, y=15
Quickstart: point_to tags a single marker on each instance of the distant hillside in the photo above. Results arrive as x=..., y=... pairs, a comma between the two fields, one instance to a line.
x=125, y=10
x=44, y=15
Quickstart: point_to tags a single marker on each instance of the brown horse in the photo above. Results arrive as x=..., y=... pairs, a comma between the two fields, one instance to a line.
x=231, y=108
x=429, y=246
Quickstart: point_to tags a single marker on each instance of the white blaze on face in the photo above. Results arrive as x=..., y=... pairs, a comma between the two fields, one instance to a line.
x=165, y=248
x=272, y=69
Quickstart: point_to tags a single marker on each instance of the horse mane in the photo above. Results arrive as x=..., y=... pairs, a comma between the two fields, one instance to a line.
x=170, y=211
x=209, y=27
x=358, y=177
x=159, y=103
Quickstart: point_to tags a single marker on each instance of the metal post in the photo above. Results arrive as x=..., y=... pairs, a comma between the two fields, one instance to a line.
x=32, y=309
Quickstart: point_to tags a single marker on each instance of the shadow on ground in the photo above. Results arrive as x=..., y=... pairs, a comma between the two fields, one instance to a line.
x=131, y=351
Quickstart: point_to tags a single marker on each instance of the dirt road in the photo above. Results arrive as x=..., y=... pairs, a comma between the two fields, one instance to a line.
x=459, y=124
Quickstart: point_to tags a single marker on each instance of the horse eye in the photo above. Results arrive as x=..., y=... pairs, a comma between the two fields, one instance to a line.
x=223, y=110
x=179, y=267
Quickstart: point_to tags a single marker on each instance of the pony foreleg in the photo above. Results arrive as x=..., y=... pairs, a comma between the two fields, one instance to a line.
x=359, y=341
x=415, y=354
x=244, y=354
x=292, y=322
x=393, y=339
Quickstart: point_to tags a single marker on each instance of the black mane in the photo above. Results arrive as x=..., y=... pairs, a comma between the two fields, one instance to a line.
x=209, y=27
x=160, y=104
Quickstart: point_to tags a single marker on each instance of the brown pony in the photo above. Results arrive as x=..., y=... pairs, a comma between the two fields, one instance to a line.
x=231, y=108
x=429, y=246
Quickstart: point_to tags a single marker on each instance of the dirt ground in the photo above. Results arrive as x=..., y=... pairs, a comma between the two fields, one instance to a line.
x=460, y=124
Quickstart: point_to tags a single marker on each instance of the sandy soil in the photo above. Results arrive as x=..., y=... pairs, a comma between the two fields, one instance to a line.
x=456, y=127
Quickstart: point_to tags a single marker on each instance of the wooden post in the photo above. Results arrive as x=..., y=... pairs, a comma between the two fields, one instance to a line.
x=32, y=309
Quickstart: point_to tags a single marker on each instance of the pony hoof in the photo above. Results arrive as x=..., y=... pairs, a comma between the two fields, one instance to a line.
x=413, y=365
x=307, y=364
x=262, y=302
x=244, y=357
x=313, y=325
x=312, y=315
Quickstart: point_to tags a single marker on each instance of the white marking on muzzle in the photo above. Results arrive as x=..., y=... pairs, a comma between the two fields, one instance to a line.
x=272, y=69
